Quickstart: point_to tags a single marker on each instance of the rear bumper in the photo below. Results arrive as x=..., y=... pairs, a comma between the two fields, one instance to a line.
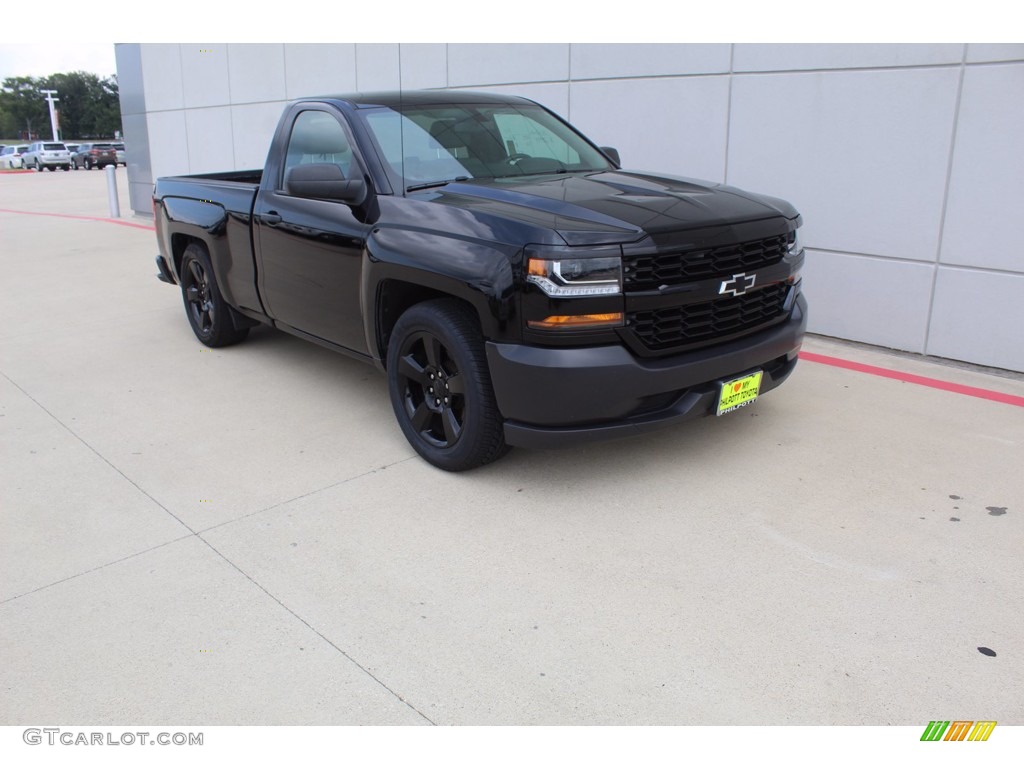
x=551, y=397
x=164, y=271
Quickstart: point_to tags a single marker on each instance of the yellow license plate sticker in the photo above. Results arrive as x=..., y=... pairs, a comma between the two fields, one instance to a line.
x=738, y=393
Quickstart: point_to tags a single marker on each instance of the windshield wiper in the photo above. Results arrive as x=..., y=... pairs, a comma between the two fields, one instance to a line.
x=430, y=184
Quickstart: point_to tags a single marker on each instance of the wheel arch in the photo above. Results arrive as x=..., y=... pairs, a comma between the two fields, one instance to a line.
x=179, y=242
x=402, y=268
x=393, y=299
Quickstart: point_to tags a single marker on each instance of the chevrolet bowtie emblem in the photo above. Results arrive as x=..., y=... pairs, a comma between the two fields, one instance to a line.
x=737, y=285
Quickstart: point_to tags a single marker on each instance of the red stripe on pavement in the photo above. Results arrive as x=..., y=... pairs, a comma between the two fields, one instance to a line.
x=83, y=218
x=910, y=378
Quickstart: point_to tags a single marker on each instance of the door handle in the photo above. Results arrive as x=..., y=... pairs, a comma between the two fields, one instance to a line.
x=271, y=218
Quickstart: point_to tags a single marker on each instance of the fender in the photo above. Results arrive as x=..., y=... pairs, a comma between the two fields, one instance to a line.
x=482, y=274
x=226, y=235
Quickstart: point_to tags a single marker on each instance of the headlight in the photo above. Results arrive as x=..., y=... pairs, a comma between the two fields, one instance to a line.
x=600, y=276
x=794, y=246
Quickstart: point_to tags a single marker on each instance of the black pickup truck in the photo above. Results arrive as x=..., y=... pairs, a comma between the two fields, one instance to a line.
x=515, y=285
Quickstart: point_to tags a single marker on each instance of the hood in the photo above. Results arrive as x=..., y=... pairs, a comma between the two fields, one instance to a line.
x=614, y=206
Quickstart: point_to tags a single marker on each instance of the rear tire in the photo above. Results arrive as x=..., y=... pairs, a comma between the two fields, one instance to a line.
x=440, y=386
x=208, y=313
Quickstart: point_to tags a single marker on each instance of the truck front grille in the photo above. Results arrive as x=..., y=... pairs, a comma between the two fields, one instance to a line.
x=653, y=271
x=710, y=320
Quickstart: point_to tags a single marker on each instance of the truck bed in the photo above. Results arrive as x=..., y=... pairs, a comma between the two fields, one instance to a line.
x=243, y=177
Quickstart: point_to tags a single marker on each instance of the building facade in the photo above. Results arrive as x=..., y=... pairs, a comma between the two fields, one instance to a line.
x=906, y=161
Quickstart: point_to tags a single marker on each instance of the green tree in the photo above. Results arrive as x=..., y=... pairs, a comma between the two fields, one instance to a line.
x=22, y=108
x=88, y=105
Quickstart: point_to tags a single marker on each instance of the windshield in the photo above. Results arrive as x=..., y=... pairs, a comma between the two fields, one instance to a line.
x=427, y=145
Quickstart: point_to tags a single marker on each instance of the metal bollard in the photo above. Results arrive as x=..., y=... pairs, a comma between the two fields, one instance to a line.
x=115, y=206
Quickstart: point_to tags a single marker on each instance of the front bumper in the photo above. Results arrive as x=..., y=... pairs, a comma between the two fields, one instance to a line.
x=551, y=397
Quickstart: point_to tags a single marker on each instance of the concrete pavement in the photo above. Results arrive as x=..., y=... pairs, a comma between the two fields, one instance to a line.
x=243, y=536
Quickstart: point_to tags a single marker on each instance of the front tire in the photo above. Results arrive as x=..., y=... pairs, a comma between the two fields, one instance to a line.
x=440, y=387
x=208, y=313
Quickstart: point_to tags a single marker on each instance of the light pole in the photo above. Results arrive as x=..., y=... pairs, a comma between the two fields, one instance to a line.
x=51, y=96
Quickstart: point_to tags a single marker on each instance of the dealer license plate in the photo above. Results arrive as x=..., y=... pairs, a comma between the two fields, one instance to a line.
x=738, y=393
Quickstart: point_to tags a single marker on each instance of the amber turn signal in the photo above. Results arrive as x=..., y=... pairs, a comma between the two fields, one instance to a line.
x=537, y=267
x=570, y=322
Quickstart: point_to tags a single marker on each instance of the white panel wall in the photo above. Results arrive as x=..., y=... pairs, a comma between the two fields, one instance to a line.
x=675, y=125
x=874, y=300
x=905, y=160
x=424, y=65
x=256, y=73
x=863, y=155
x=161, y=68
x=470, y=64
x=978, y=316
x=986, y=192
x=614, y=60
x=981, y=52
x=204, y=71
x=317, y=70
x=377, y=67
x=210, y=141
x=168, y=141
x=253, y=127
x=767, y=57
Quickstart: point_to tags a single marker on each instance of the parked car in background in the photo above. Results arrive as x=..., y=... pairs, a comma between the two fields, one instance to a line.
x=91, y=156
x=121, y=157
x=10, y=157
x=47, y=154
x=72, y=148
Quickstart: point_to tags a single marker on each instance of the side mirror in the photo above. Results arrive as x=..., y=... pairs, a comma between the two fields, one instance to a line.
x=612, y=154
x=324, y=181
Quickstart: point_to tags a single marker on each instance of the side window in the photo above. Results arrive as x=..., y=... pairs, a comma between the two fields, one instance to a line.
x=318, y=137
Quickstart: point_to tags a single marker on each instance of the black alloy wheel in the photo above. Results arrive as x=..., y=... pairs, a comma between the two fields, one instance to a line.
x=197, y=297
x=208, y=313
x=440, y=386
x=433, y=390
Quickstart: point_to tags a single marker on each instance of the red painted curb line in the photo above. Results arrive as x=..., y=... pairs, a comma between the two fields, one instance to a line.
x=910, y=378
x=82, y=218
x=811, y=357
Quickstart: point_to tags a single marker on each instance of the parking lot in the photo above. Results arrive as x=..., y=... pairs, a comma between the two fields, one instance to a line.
x=243, y=536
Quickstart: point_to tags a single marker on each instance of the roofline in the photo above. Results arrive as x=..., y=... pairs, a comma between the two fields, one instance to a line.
x=370, y=99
